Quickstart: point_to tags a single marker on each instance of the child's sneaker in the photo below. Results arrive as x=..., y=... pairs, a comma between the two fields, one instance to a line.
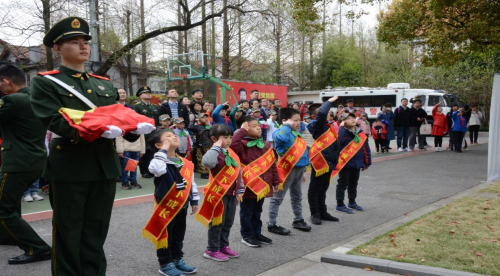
x=27, y=198
x=170, y=270
x=276, y=229
x=378, y=152
x=356, y=207
x=228, y=252
x=36, y=197
x=251, y=241
x=216, y=256
x=343, y=209
x=184, y=268
x=263, y=239
x=400, y=149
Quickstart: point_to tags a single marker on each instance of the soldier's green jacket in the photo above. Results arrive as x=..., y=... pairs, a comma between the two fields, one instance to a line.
x=148, y=110
x=23, y=146
x=72, y=159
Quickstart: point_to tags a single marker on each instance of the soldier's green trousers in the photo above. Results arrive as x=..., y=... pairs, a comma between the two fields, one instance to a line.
x=82, y=211
x=12, y=225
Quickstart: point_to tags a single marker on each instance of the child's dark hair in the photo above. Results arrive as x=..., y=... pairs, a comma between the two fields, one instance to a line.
x=378, y=120
x=287, y=113
x=242, y=101
x=220, y=130
x=155, y=138
x=243, y=119
x=251, y=101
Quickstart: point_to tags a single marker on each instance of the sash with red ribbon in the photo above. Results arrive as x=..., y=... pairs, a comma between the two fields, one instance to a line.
x=252, y=172
x=212, y=208
x=155, y=230
x=348, y=152
x=290, y=158
x=324, y=141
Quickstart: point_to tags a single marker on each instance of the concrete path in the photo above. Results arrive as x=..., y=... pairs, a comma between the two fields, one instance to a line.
x=388, y=190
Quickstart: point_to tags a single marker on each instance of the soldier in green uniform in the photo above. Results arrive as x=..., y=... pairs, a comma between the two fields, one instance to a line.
x=146, y=108
x=83, y=174
x=23, y=159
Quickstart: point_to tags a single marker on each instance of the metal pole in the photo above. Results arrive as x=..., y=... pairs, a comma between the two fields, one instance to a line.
x=94, y=46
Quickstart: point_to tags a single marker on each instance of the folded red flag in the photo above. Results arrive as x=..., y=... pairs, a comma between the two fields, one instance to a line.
x=131, y=165
x=92, y=123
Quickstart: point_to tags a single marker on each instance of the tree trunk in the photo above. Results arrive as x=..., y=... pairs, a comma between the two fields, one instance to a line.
x=46, y=27
x=144, y=71
x=129, y=56
x=99, y=39
x=240, y=61
x=204, y=46
x=225, y=45
x=212, y=42
x=179, y=33
x=311, y=62
x=302, y=61
x=324, y=26
x=278, y=45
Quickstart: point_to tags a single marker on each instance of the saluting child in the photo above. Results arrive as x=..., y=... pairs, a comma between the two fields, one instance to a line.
x=174, y=188
x=378, y=133
x=291, y=169
x=349, y=138
x=260, y=178
x=325, y=148
x=223, y=164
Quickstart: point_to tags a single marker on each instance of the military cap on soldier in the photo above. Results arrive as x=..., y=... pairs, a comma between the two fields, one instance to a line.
x=164, y=117
x=254, y=110
x=178, y=120
x=144, y=89
x=67, y=28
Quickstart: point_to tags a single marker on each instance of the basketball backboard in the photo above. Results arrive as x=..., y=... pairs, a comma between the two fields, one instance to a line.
x=188, y=66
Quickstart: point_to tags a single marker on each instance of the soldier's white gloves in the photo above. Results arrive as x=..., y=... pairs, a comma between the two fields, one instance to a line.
x=112, y=133
x=144, y=128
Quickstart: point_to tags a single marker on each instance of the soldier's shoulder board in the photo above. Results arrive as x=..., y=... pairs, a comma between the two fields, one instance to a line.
x=53, y=72
x=99, y=77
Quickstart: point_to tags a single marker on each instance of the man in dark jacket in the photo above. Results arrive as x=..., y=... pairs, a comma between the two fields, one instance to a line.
x=174, y=108
x=402, y=121
x=319, y=184
x=418, y=116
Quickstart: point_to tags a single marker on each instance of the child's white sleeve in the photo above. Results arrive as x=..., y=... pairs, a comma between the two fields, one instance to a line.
x=158, y=165
x=194, y=190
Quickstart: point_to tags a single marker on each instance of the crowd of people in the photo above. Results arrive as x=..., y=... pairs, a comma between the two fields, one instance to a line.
x=249, y=151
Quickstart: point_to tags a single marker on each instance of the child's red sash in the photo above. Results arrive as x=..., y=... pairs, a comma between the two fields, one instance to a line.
x=324, y=141
x=290, y=158
x=253, y=171
x=155, y=230
x=348, y=152
x=212, y=208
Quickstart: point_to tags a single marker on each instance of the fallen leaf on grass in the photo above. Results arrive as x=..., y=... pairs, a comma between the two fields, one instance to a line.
x=423, y=260
x=391, y=235
x=485, y=239
x=486, y=207
x=392, y=240
x=456, y=222
x=468, y=211
x=447, y=223
x=368, y=268
x=486, y=218
x=395, y=245
x=405, y=214
x=491, y=228
x=452, y=231
x=470, y=222
x=400, y=257
x=494, y=240
x=479, y=254
x=364, y=251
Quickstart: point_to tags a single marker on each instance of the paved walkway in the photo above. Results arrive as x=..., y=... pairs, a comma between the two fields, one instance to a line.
x=389, y=189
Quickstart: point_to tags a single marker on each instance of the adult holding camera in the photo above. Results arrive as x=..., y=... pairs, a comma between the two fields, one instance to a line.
x=474, y=123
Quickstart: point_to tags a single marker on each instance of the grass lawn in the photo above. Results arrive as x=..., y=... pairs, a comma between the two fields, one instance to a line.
x=463, y=235
x=493, y=188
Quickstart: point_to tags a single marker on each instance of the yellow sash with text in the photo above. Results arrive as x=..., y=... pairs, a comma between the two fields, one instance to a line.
x=252, y=172
x=290, y=158
x=315, y=156
x=212, y=208
x=155, y=230
x=348, y=152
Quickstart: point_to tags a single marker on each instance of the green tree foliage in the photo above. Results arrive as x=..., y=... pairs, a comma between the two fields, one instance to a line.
x=449, y=29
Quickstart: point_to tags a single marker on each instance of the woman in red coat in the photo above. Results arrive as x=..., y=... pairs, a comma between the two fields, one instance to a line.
x=440, y=127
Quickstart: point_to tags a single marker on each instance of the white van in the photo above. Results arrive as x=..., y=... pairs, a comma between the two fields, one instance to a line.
x=372, y=99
